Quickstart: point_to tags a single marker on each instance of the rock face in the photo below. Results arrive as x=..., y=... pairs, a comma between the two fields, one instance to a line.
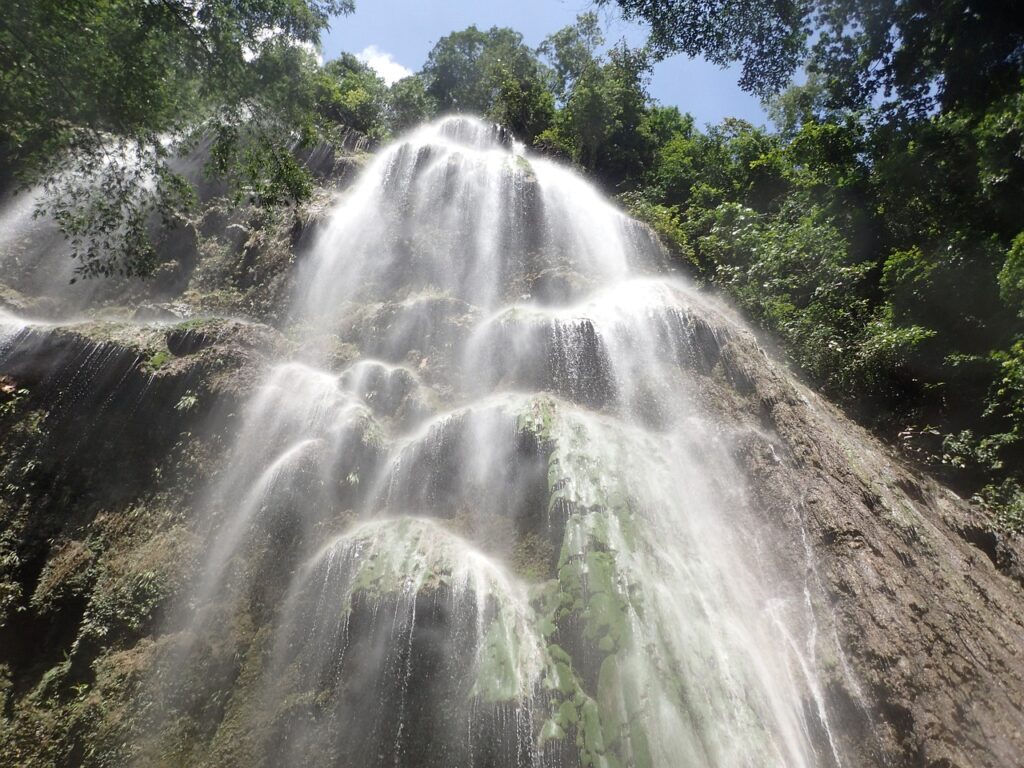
x=479, y=484
x=923, y=597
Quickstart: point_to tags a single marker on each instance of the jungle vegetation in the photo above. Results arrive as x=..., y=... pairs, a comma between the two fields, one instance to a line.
x=875, y=232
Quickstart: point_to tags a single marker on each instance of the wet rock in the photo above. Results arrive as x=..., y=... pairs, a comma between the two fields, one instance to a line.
x=563, y=356
x=923, y=594
x=393, y=392
x=396, y=653
x=556, y=285
x=159, y=312
x=424, y=327
x=650, y=486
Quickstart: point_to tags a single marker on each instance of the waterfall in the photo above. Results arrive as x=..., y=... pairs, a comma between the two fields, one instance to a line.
x=482, y=512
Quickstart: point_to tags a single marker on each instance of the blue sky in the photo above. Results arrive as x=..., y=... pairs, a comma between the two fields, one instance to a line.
x=396, y=35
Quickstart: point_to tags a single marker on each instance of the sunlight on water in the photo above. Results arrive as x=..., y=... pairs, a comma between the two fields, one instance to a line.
x=501, y=530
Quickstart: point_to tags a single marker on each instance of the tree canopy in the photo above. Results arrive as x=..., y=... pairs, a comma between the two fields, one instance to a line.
x=904, y=56
x=875, y=233
x=95, y=95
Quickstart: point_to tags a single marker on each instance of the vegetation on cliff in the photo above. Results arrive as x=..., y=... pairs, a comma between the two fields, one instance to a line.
x=873, y=238
x=874, y=233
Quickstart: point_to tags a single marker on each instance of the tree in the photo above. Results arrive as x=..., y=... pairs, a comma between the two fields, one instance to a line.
x=605, y=116
x=524, y=106
x=95, y=95
x=798, y=105
x=356, y=97
x=918, y=56
x=912, y=56
x=465, y=70
x=409, y=104
x=766, y=36
x=571, y=51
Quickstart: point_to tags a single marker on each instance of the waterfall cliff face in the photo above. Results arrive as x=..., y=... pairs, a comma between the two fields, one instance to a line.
x=503, y=491
x=521, y=381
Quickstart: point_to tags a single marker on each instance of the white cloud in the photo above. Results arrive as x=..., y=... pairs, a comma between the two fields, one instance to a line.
x=383, y=63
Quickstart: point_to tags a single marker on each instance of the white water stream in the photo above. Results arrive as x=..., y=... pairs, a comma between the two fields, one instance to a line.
x=505, y=534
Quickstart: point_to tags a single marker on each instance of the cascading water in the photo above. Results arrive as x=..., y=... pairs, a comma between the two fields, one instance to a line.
x=483, y=513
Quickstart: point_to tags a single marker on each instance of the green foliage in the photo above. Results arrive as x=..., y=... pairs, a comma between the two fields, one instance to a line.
x=906, y=56
x=187, y=402
x=409, y=104
x=1007, y=500
x=158, y=360
x=766, y=36
x=354, y=95
x=524, y=106
x=105, y=202
x=793, y=273
x=605, y=124
x=295, y=103
x=13, y=399
x=24, y=427
x=571, y=51
x=125, y=607
x=95, y=95
x=465, y=70
x=1011, y=276
x=1010, y=384
x=798, y=105
x=915, y=55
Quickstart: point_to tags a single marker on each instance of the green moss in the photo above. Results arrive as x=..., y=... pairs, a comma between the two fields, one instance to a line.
x=531, y=557
x=591, y=593
x=125, y=607
x=521, y=163
x=193, y=324
x=551, y=730
x=498, y=673
x=158, y=359
x=539, y=419
x=373, y=435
